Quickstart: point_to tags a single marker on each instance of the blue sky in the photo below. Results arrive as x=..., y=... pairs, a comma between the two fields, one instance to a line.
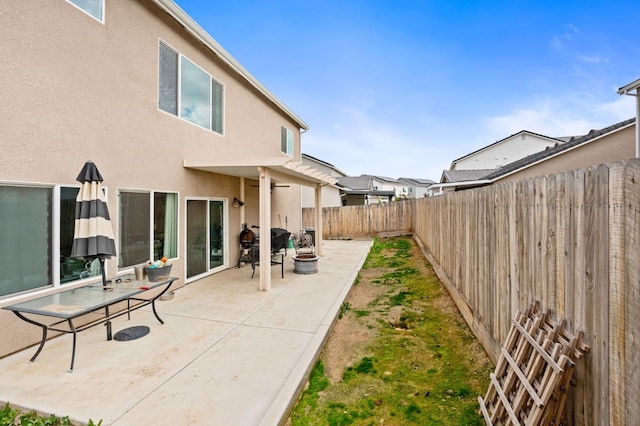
x=402, y=88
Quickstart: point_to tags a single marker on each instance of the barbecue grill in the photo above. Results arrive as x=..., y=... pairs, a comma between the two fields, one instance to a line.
x=250, y=247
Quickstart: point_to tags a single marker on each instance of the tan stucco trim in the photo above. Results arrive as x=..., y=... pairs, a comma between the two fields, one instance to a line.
x=284, y=169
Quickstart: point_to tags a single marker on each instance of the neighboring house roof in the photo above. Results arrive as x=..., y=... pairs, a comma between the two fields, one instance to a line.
x=567, y=138
x=416, y=181
x=464, y=175
x=367, y=192
x=550, y=152
x=385, y=179
x=317, y=160
x=504, y=139
x=482, y=179
x=324, y=163
x=354, y=184
x=362, y=182
x=170, y=7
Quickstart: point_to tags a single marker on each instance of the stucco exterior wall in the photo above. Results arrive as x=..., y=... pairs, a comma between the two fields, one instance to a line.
x=616, y=146
x=74, y=89
x=419, y=192
x=330, y=196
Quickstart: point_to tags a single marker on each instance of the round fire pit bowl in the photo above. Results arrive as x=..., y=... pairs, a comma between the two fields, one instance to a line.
x=305, y=263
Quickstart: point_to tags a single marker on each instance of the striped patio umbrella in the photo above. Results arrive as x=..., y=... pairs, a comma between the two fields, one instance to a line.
x=93, y=234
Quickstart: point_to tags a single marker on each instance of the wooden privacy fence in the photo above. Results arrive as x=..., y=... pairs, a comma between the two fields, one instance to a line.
x=359, y=221
x=569, y=241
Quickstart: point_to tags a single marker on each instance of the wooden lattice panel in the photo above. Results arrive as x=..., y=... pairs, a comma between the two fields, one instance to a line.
x=532, y=376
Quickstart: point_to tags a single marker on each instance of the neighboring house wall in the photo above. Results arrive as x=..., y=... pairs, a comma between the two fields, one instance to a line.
x=75, y=89
x=387, y=185
x=417, y=188
x=330, y=196
x=504, y=151
x=357, y=200
x=611, y=147
x=419, y=192
x=330, y=193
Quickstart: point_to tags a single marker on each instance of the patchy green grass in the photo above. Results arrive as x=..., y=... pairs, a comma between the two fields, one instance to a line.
x=429, y=371
x=11, y=416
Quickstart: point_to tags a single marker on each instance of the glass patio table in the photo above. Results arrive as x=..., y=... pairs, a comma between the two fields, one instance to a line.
x=67, y=308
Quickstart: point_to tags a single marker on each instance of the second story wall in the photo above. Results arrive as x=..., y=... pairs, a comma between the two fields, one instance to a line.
x=70, y=82
x=504, y=152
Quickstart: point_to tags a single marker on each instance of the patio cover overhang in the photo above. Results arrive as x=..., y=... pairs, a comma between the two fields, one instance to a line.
x=266, y=171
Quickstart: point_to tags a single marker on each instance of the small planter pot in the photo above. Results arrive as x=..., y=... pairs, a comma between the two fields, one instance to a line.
x=306, y=263
x=157, y=274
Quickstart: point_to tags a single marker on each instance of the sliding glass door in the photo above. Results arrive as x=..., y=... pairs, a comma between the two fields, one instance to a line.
x=206, y=236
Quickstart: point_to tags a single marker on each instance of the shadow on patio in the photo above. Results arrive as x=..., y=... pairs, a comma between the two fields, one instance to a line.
x=227, y=353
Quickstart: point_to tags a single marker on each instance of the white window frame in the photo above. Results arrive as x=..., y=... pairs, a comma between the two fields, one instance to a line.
x=151, y=193
x=286, y=141
x=102, y=10
x=212, y=79
x=226, y=242
x=55, y=284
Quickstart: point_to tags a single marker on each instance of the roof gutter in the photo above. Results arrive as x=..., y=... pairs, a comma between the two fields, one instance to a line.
x=440, y=186
x=171, y=8
x=627, y=90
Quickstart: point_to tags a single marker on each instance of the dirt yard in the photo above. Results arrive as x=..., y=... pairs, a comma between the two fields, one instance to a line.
x=400, y=353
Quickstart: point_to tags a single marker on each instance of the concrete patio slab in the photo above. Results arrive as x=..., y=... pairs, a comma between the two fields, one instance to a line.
x=228, y=354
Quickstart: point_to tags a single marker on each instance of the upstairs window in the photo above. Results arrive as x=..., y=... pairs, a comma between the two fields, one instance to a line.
x=286, y=141
x=94, y=8
x=187, y=91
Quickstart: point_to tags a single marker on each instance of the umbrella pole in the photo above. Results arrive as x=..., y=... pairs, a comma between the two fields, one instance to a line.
x=106, y=309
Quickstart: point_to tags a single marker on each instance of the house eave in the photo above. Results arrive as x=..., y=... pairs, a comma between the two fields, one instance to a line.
x=626, y=90
x=285, y=170
x=170, y=7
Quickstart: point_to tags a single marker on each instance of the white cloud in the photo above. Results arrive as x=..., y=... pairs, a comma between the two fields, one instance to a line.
x=571, y=30
x=556, y=43
x=543, y=119
x=592, y=59
x=359, y=138
x=623, y=107
x=361, y=143
x=557, y=117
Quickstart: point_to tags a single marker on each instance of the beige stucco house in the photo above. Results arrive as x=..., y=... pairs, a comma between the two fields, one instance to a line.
x=177, y=127
x=504, y=151
x=602, y=146
x=607, y=145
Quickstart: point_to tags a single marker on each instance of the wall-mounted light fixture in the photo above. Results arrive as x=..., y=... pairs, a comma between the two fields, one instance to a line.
x=237, y=203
